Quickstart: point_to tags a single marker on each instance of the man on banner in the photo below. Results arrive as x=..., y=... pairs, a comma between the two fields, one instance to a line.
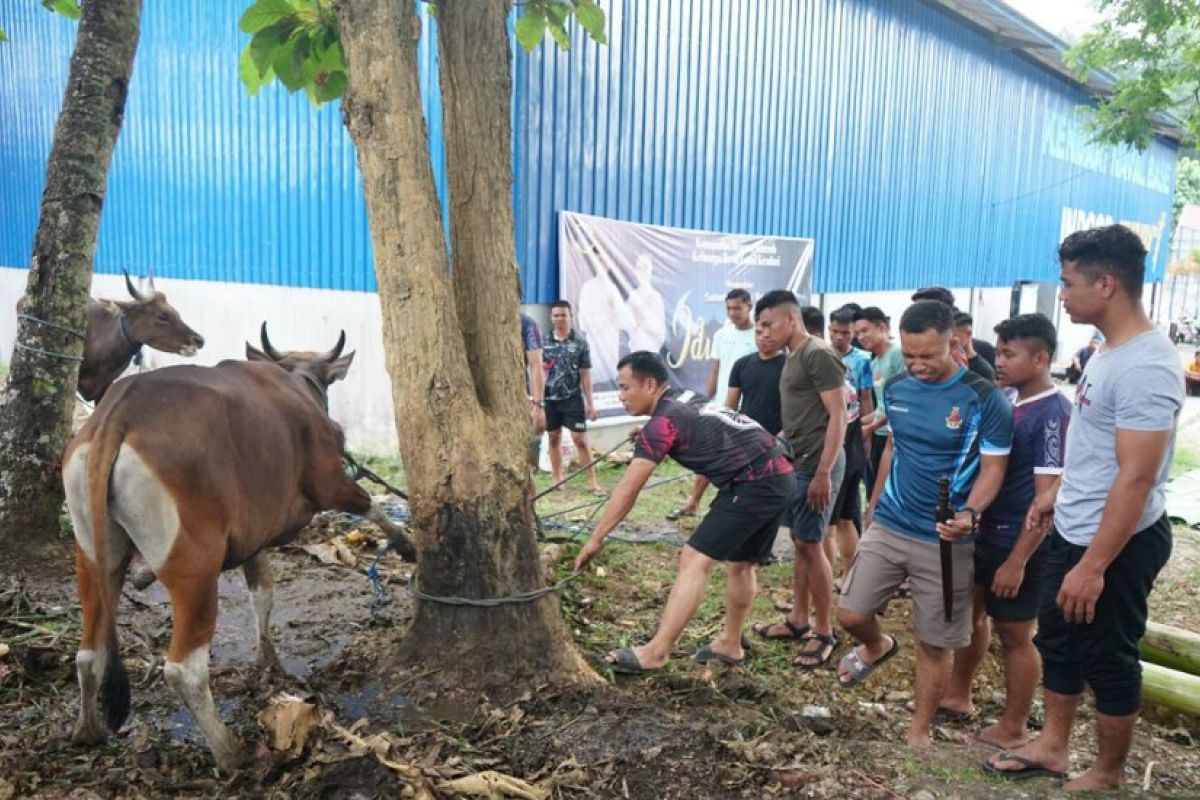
x=647, y=310
x=603, y=314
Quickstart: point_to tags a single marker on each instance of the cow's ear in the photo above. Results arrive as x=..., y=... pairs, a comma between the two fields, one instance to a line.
x=253, y=354
x=336, y=370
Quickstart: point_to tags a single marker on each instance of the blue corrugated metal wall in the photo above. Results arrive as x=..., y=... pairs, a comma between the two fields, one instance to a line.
x=911, y=148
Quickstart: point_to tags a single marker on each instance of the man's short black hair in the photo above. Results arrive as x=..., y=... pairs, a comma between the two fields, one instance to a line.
x=814, y=320
x=1113, y=249
x=927, y=315
x=939, y=293
x=773, y=298
x=644, y=364
x=963, y=320
x=844, y=315
x=560, y=304
x=854, y=307
x=1035, y=329
x=873, y=314
x=740, y=295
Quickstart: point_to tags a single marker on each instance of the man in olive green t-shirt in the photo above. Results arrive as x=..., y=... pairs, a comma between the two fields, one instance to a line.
x=813, y=404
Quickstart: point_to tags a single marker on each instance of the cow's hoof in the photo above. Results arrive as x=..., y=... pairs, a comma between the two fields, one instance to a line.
x=90, y=732
x=229, y=757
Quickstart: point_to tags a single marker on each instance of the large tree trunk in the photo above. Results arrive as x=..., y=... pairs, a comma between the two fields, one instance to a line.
x=37, y=401
x=453, y=351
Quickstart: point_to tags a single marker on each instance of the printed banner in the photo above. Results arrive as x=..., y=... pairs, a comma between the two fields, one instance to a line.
x=648, y=287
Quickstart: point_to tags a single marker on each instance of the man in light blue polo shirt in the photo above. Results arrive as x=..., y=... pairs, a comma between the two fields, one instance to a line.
x=945, y=421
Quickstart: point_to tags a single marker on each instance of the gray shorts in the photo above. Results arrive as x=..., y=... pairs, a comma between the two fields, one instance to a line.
x=885, y=558
x=807, y=525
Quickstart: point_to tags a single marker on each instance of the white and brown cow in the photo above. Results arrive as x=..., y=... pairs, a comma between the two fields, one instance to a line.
x=198, y=469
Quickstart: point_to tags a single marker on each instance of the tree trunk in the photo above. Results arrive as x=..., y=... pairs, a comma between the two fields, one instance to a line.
x=38, y=398
x=453, y=353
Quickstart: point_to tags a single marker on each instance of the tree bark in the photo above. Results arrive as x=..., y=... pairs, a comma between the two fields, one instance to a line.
x=38, y=397
x=454, y=366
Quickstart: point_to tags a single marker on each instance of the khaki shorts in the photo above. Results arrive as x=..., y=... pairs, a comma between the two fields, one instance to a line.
x=885, y=558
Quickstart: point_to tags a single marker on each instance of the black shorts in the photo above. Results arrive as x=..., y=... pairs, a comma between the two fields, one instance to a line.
x=1104, y=653
x=990, y=557
x=742, y=522
x=566, y=413
x=848, y=505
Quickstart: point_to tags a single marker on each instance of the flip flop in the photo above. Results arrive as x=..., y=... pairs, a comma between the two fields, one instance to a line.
x=979, y=738
x=707, y=655
x=858, y=670
x=627, y=663
x=796, y=633
x=828, y=647
x=672, y=516
x=947, y=714
x=1029, y=769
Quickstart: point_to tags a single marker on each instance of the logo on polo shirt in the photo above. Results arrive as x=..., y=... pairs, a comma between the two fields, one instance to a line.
x=954, y=421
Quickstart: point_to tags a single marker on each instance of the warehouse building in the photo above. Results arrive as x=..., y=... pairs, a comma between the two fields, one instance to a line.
x=915, y=142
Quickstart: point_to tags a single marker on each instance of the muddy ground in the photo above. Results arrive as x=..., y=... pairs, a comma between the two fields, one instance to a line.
x=689, y=732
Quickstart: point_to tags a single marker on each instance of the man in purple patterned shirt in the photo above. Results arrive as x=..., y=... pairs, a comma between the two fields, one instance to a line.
x=754, y=479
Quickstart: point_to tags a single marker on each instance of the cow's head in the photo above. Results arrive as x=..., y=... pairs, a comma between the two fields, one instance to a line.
x=152, y=321
x=321, y=368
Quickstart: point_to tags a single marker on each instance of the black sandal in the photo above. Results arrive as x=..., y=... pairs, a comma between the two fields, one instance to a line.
x=823, y=654
x=796, y=633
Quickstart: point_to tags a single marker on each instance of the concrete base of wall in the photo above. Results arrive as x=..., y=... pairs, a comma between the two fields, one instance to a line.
x=229, y=315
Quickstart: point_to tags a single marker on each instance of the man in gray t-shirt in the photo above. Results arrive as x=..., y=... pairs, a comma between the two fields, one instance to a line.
x=1111, y=535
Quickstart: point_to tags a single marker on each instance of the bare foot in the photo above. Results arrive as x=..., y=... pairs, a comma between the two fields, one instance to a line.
x=1001, y=737
x=1094, y=781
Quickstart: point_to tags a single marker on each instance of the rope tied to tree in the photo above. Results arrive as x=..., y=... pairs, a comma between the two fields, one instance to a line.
x=54, y=326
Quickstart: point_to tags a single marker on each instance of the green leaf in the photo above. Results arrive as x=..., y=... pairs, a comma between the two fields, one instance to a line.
x=530, y=28
x=289, y=61
x=3, y=35
x=265, y=13
x=333, y=87
x=68, y=8
x=591, y=19
x=266, y=43
x=251, y=77
x=559, y=32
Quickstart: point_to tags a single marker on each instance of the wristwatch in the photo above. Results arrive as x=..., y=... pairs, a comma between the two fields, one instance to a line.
x=974, y=517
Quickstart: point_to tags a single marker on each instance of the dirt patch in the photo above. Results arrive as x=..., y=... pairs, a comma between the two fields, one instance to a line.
x=688, y=732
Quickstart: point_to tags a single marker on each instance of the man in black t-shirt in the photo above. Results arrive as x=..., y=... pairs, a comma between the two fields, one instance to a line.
x=754, y=385
x=568, y=363
x=754, y=481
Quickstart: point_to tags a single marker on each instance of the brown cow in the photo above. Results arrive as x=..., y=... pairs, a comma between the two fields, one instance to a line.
x=117, y=330
x=199, y=469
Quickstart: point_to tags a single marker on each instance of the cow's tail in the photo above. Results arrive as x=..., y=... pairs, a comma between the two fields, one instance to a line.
x=114, y=686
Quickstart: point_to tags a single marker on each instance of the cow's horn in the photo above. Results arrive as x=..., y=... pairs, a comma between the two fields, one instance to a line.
x=150, y=278
x=271, y=352
x=133, y=292
x=337, y=348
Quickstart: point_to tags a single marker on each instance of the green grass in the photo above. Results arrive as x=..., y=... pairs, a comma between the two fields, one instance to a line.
x=1185, y=461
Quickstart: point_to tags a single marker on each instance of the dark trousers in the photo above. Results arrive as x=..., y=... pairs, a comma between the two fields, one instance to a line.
x=1104, y=653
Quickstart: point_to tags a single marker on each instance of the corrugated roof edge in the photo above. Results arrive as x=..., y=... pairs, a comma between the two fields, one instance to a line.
x=1008, y=28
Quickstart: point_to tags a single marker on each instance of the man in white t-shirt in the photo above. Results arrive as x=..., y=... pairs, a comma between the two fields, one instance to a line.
x=734, y=340
x=1110, y=534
